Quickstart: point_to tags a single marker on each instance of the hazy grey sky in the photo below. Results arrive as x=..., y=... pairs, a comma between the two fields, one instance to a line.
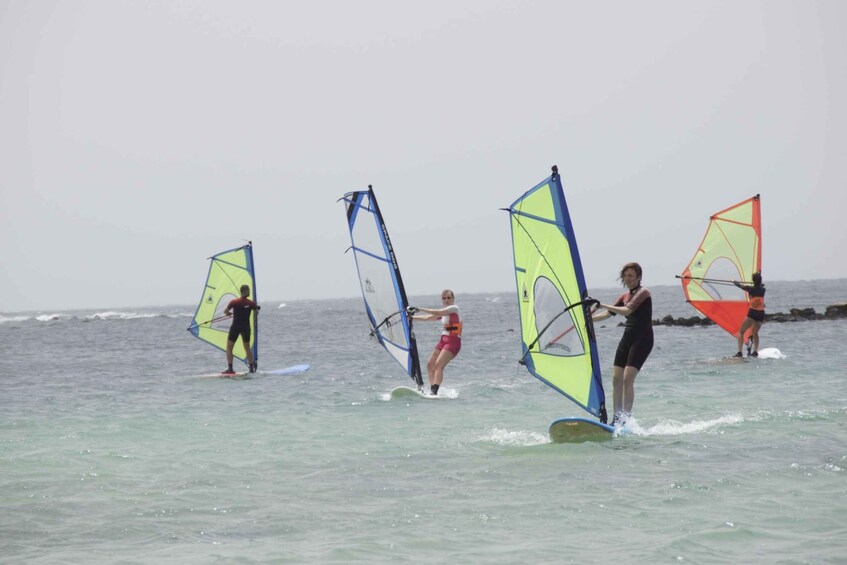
x=137, y=138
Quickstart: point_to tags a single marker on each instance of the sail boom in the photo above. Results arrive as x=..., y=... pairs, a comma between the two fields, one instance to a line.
x=369, y=254
x=534, y=217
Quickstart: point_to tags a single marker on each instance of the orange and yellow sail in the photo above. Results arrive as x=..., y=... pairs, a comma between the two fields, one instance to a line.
x=730, y=251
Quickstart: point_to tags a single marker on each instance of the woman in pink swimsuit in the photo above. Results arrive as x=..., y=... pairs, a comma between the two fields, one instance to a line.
x=451, y=337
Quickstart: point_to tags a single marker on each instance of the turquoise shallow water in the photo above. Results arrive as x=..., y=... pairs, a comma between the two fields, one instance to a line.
x=113, y=450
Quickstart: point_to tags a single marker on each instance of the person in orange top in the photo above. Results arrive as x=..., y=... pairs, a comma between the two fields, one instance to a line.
x=451, y=337
x=755, y=315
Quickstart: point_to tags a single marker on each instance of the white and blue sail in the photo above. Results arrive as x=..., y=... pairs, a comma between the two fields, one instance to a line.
x=380, y=280
x=557, y=332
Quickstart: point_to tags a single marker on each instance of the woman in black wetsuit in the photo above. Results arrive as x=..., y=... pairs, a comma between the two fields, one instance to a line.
x=755, y=315
x=637, y=341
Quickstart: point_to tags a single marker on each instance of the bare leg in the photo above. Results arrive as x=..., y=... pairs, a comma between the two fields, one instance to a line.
x=745, y=325
x=756, y=326
x=229, y=346
x=617, y=389
x=248, y=351
x=629, y=374
x=441, y=361
x=430, y=366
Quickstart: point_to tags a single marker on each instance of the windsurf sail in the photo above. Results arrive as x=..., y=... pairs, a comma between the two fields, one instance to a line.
x=557, y=333
x=379, y=277
x=730, y=251
x=228, y=270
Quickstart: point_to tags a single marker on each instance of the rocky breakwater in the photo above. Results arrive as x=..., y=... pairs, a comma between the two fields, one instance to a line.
x=832, y=312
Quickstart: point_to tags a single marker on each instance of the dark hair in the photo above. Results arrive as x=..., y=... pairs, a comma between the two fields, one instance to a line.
x=245, y=288
x=757, y=279
x=631, y=265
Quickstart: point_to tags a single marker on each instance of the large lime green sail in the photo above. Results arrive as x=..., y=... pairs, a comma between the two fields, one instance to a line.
x=557, y=332
x=227, y=272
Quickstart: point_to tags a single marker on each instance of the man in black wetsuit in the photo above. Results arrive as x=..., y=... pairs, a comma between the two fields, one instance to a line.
x=240, y=309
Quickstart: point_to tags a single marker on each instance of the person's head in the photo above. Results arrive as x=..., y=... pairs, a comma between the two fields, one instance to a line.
x=245, y=290
x=630, y=275
x=447, y=296
x=757, y=279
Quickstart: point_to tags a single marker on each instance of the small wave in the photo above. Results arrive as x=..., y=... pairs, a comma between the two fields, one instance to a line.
x=24, y=318
x=514, y=438
x=821, y=467
x=48, y=317
x=109, y=315
x=675, y=428
x=448, y=392
x=120, y=316
x=7, y=319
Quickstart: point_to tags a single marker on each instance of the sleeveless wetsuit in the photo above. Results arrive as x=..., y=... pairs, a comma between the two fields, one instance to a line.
x=241, y=309
x=637, y=341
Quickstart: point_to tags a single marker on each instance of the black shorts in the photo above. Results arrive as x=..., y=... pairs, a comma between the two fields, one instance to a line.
x=633, y=352
x=756, y=315
x=243, y=332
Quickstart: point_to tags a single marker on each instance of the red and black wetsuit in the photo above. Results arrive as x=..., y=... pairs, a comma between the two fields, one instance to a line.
x=637, y=341
x=241, y=309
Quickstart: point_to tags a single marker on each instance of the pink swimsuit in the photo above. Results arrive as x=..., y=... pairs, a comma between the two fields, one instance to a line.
x=451, y=339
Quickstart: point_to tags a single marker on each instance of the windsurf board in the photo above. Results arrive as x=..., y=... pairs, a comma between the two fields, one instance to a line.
x=578, y=430
x=407, y=392
x=293, y=370
x=770, y=353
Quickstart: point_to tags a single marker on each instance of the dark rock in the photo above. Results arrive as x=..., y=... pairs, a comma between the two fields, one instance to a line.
x=794, y=315
x=686, y=322
x=836, y=310
x=803, y=312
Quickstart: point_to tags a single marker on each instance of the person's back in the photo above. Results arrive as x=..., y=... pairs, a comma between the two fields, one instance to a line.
x=755, y=314
x=240, y=309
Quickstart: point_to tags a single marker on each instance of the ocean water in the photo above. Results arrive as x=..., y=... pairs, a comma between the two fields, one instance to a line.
x=115, y=449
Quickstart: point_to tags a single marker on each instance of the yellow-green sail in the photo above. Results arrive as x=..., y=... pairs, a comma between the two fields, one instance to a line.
x=227, y=272
x=556, y=328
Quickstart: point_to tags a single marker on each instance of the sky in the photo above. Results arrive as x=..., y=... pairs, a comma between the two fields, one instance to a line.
x=139, y=138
